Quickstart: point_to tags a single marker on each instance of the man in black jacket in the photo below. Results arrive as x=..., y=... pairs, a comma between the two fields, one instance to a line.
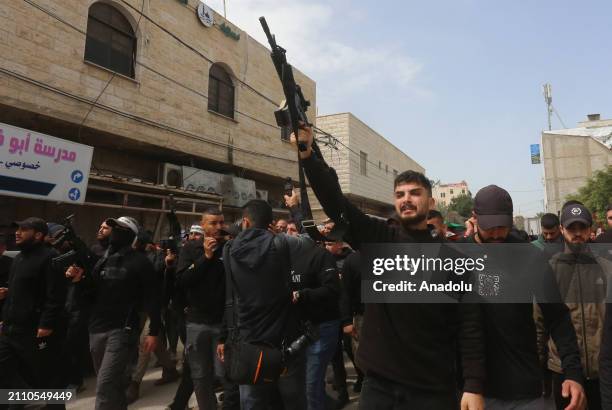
x=201, y=275
x=514, y=378
x=260, y=274
x=32, y=309
x=119, y=289
x=406, y=350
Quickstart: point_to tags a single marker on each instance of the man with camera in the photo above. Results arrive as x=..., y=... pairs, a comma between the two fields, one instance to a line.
x=119, y=288
x=407, y=351
x=260, y=314
x=201, y=275
x=34, y=300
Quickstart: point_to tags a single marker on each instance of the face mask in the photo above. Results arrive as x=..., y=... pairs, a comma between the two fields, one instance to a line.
x=121, y=237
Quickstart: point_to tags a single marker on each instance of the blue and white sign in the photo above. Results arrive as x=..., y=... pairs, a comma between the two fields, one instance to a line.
x=535, y=153
x=38, y=166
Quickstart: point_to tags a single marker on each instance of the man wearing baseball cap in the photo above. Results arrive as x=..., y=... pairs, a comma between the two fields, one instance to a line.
x=33, y=305
x=583, y=277
x=513, y=369
x=119, y=287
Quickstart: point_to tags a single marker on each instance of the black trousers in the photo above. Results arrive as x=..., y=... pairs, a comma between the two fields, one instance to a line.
x=382, y=394
x=591, y=390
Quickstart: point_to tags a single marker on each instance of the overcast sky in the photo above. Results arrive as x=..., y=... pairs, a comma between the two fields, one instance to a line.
x=455, y=84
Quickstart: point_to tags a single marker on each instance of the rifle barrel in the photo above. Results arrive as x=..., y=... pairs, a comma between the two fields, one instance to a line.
x=266, y=30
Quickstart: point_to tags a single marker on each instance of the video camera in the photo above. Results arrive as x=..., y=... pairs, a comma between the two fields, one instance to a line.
x=79, y=254
x=311, y=335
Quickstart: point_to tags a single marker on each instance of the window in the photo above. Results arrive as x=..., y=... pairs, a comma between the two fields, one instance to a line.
x=110, y=42
x=394, y=173
x=463, y=191
x=220, y=91
x=451, y=191
x=442, y=195
x=363, y=162
x=387, y=168
x=379, y=165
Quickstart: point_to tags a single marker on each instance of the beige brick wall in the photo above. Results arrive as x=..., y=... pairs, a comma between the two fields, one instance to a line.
x=568, y=162
x=383, y=157
x=44, y=50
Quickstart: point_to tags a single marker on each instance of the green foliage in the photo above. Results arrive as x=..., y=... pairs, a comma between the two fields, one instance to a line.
x=597, y=193
x=462, y=204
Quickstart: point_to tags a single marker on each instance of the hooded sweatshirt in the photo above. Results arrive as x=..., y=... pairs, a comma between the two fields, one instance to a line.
x=261, y=287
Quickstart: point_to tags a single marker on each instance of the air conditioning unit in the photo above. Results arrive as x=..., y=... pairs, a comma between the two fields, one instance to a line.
x=172, y=175
x=261, y=194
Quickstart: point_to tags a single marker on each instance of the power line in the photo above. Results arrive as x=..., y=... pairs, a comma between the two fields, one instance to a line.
x=198, y=52
x=152, y=69
x=193, y=49
x=137, y=118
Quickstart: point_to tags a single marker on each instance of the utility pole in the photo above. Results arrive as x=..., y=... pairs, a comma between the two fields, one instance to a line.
x=548, y=98
x=224, y=10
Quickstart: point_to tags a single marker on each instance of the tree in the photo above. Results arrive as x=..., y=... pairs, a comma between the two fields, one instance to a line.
x=596, y=195
x=462, y=204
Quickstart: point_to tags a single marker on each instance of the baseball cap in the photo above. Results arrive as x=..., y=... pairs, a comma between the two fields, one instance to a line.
x=54, y=229
x=493, y=206
x=196, y=229
x=123, y=222
x=576, y=213
x=38, y=224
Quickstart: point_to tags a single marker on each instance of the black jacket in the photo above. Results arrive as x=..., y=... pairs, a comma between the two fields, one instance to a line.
x=5, y=267
x=315, y=276
x=513, y=365
x=203, y=283
x=37, y=292
x=412, y=344
x=120, y=287
x=260, y=274
x=351, y=285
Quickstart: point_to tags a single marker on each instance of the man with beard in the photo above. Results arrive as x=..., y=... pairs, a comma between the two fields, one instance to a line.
x=33, y=306
x=514, y=378
x=103, y=237
x=201, y=275
x=551, y=237
x=582, y=276
x=406, y=350
x=119, y=288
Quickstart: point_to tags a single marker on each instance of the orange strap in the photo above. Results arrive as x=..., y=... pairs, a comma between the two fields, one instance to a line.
x=258, y=367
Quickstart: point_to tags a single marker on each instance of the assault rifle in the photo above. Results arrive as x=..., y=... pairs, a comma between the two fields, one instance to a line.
x=79, y=254
x=292, y=114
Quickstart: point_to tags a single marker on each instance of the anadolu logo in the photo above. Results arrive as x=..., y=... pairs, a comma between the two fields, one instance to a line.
x=576, y=211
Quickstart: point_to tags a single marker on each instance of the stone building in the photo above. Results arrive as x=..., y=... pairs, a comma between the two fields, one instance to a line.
x=366, y=163
x=571, y=156
x=157, y=92
x=444, y=193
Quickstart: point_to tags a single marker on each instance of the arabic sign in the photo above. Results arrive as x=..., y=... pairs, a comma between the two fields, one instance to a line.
x=38, y=166
x=235, y=191
x=535, y=153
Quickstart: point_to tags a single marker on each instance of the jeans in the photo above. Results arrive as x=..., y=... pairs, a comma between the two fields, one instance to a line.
x=524, y=404
x=201, y=352
x=318, y=356
x=112, y=353
x=382, y=394
x=290, y=386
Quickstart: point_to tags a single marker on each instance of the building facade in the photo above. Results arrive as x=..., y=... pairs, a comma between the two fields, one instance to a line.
x=571, y=156
x=366, y=163
x=158, y=92
x=444, y=193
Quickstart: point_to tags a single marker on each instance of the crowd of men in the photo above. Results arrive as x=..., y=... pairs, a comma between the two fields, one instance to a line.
x=267, y=283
